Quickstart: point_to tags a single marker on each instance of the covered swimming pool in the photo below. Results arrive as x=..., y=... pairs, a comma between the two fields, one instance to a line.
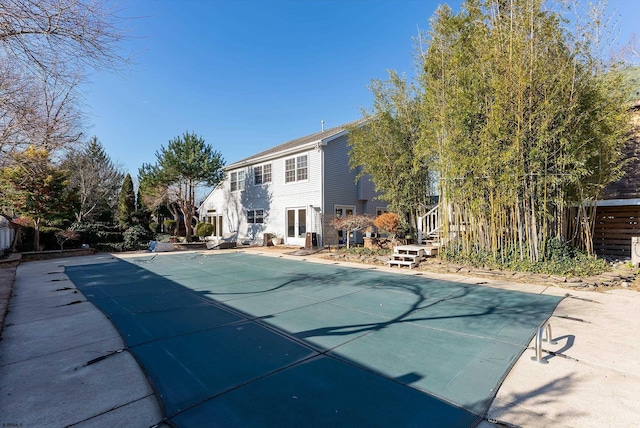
x=236, y=339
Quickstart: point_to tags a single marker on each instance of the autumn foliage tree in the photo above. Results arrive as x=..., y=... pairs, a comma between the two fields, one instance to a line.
x=388, y=223
x=34, y=187
x=352, y=223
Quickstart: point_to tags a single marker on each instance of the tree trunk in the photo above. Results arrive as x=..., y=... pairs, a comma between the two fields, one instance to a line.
x=36, y=235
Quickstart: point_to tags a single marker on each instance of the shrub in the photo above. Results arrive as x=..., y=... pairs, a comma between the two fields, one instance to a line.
x=362, y=251
x=162, y=237
x=110, y=247
x=204, y=229
x=388, y=223
x=136, y=238
x=171, y=225
x=63, y=236
x=94, y=233
x=153, y=227
x=557, y=259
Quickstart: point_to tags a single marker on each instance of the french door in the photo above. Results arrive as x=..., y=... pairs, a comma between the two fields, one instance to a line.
x=296, y=226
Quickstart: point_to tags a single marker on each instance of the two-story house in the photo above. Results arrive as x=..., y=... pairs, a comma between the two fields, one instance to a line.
x=290, y=190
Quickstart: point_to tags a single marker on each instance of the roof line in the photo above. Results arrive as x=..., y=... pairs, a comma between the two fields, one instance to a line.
x=321, y=137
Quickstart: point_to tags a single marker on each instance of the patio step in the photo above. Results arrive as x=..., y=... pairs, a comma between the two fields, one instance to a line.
x=399, y=263
x=403, y=259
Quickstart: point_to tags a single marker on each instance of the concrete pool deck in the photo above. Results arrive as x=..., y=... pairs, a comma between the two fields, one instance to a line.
x=51, y=334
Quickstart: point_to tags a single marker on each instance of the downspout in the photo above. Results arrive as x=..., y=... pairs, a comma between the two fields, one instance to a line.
x=322, y=178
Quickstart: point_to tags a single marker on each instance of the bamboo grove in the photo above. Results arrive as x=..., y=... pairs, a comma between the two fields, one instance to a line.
x=525, y=123
x=521, y=120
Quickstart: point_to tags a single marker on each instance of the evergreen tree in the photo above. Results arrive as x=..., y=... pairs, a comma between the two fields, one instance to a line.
x=126, y=202
x=185, y=164
x=96, y=179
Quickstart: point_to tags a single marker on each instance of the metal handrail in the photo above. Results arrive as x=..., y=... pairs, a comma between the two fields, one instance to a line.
x=546, y=328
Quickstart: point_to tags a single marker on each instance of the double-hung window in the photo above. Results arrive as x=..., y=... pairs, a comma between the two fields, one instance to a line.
x=237, y=180
x=296, y=169
x=255, y=216
x=262, y=174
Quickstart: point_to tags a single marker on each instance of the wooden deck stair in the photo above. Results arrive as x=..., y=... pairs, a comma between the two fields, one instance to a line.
x=411, y=255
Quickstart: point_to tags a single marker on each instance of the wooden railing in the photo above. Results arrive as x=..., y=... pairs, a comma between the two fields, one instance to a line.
x=429, y=224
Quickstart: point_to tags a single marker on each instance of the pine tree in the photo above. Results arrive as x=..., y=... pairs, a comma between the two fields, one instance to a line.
x=185, y=164
x=126, y=202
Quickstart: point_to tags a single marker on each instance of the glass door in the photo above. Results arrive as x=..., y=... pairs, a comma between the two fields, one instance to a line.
x=296, y=226
x=343, y=211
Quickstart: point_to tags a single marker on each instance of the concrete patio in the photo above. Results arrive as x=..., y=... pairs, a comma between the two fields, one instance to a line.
x=52, y=337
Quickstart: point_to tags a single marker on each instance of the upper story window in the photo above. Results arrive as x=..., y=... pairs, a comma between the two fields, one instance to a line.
x=295, y=169
x=262, y=174
x=237, y=180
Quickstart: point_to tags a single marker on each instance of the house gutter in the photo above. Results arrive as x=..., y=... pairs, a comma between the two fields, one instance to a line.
x=297, y=149
x=276, y=155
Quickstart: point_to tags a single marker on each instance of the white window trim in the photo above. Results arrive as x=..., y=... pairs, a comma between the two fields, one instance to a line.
x=345, y=207
x=295, y=158
x=341, y=231
x=255, y=216
x=262, y=165
x=238, y=187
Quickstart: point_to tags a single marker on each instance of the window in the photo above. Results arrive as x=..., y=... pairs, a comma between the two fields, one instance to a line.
x=301, y=167
x=237, y=180
x=289, y=170
x=262, y=174
x=343, y=211
x=380, y=211
x=255, y=216
x=295, y=169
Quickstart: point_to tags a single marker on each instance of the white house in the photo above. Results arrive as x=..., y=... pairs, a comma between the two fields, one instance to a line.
x=290, y=190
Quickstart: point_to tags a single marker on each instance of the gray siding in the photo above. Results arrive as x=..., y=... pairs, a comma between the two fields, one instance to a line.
x=340, y=187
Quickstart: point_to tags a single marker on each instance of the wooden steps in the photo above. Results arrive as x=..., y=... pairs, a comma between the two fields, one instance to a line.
x=404, y=260
x=410, y=255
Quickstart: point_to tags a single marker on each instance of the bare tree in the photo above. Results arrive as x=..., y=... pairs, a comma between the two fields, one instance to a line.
x=57, y=119
x=40, y=34
x=96, y=179
x=47, y=48
x=42, y=110
x=16, y=109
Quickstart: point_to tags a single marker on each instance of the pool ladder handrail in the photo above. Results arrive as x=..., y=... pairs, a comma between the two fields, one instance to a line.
x=546, y=328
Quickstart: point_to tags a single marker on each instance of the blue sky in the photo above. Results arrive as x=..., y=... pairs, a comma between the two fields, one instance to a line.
x=250, y=74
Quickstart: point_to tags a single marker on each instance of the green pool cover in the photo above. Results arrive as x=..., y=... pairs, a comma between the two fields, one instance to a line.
x=239, y=340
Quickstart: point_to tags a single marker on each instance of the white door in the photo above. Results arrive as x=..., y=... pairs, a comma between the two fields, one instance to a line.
x=296, y=226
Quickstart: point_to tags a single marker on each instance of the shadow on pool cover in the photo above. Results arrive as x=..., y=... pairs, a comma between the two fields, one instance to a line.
x=250, y=341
